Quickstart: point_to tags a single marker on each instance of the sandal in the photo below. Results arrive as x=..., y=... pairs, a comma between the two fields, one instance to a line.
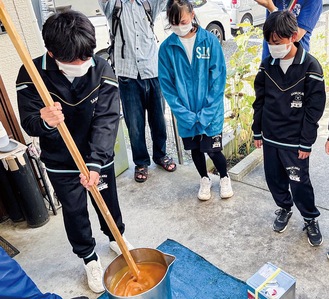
x=141, y=173
x=165, y=162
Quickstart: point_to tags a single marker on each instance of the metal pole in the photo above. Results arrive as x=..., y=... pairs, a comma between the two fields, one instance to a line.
x=177, y=140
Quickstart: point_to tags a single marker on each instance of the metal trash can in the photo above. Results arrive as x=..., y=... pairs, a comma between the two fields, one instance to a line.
x=26, y=185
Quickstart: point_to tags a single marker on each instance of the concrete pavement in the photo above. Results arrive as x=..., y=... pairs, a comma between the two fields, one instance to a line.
x=235, y=235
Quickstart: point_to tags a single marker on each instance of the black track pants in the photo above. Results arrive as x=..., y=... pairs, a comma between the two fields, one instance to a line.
x=73, y=197
x=283, y=169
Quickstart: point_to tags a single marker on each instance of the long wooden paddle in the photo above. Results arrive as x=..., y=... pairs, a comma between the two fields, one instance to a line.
x=48, y=101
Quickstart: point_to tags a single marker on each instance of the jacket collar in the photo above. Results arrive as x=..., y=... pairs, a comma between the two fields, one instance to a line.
x=299, y=57
x=49, y=63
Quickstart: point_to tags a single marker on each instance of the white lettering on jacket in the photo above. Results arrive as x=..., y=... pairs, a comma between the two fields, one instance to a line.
x=94, y=100
x=202, y=52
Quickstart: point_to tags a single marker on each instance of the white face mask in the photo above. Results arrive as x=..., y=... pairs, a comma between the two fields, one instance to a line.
x=74, y=70
x=182, y=30
x=279, y=51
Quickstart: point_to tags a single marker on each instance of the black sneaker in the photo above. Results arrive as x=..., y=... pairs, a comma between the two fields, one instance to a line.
x=282, y=219
x=313, y=232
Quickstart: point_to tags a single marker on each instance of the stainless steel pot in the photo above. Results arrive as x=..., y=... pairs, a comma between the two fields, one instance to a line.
x=160, y=291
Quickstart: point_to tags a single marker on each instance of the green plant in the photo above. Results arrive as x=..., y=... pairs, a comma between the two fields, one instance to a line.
x=243, y=66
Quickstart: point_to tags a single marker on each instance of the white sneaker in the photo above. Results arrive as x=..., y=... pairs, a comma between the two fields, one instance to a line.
x=115, y=247
x=225, y=187
x=205, y=186
x=95, y=275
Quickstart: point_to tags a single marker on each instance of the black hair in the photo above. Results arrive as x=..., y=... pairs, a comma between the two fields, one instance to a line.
x=69, y=36
x=282, y=23
x=174, y=12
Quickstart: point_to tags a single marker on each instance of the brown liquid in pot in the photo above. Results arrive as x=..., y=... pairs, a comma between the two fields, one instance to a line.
x=124, y=284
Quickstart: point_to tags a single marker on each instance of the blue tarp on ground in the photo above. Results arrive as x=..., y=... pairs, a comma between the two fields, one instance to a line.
x=193, y=277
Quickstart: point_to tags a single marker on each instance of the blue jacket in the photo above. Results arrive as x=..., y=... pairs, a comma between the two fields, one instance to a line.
x=14, y=282
x=194, y=91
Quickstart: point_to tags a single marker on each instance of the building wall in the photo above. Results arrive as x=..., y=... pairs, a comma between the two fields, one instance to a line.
x=23, y=17
x=89, y=8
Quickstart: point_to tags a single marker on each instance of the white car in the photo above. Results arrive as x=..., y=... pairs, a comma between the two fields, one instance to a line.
x=210, y=15
x=102, y=33
x=243, y=11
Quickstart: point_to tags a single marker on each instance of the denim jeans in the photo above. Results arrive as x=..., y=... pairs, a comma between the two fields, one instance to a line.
x=137, y=97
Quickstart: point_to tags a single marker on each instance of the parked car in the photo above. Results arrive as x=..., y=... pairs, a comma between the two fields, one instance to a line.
x=210, y=15
x=243, y=11
x=102, y=33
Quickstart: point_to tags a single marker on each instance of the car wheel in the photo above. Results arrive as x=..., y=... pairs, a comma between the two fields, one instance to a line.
x=216, y=30
x=247, y=18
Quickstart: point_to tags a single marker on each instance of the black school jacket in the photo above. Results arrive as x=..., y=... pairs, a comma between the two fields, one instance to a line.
x=288, y=106
x=90, y=105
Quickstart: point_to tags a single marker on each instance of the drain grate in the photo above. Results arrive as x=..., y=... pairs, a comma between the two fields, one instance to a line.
x=10, y=249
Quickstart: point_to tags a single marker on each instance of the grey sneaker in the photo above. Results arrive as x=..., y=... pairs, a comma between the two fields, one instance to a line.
x=204, y=190
x=313, y=232
x=281, y=220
